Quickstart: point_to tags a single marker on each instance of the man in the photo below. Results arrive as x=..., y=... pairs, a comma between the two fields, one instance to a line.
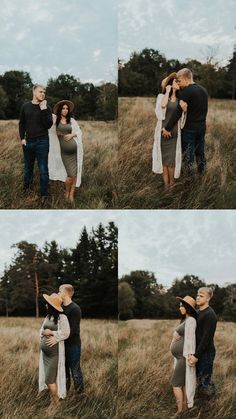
x=35, y=121
x=205, y=349
x=73, y=343
x=193, y=133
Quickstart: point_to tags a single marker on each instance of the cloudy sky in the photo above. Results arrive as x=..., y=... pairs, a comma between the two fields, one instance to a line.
x=50, y=37
x=177, y=28
x=174, y=243
x=42, y=225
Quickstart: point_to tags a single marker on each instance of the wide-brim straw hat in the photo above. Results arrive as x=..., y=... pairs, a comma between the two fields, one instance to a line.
x=189, y=301
x=64, y=102
x=167, y=79
x=54, y=300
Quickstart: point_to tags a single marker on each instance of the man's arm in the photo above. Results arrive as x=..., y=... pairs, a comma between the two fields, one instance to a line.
x=208, y=334
x=46, y=115
x=178, y=112
x=22, y=124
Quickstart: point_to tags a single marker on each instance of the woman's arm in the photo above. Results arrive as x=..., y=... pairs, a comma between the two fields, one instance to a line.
x=165, y=99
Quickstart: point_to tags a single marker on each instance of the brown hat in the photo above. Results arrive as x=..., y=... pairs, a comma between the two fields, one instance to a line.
x=64, y=102
x=54, y=300
x=167, y=79
x=189, y=301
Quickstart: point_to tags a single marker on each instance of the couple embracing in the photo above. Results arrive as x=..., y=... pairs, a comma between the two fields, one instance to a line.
x=193, y=350
x=54, y=140
x=181, y=111
x=60, y=346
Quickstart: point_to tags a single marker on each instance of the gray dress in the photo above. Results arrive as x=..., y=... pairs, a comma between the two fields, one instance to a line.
x=68, y=149
x=177, y=347
x=50, y=355
x=168, y=145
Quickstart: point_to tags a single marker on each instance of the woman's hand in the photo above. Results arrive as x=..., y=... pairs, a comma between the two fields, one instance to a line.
x=176, y=336
x=47, y=332
x=183, y=105
x=168, y=88
x=68, y=137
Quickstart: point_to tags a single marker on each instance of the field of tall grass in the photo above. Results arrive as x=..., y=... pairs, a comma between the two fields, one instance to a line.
x=19, y=357
x=140, y=188
x=145, y=367
x=98, y=188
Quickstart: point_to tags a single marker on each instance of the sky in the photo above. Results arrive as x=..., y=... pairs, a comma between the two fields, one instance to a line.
x=50, y=37
x=178, y=29
x=38, y=226
x=174, y=243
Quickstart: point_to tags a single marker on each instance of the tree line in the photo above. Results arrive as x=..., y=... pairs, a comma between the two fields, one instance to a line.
x=91, y=267
x=91, y=102
x=142, y=74
x=140, y=295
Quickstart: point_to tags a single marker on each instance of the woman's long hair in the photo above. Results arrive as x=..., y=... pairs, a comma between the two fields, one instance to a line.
x=189, y=310
x=68, y=116
x=52, y=312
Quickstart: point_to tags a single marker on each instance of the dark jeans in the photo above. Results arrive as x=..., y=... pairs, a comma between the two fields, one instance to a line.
x=37, y=148
x=73, y=366
x=193, y=145
x=206, y=387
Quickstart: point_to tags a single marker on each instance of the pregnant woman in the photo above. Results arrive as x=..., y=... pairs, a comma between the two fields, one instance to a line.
x=166, y=154
x=52, y=373
x=66, y=149
x=182, y=346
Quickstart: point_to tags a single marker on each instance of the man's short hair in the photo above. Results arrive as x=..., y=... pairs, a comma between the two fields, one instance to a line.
x=38, y=85
x=69, y=288
x=208, y=290
x=186, y=73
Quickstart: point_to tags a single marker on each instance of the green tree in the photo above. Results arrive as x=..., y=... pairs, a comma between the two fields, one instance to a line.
x=126, y=301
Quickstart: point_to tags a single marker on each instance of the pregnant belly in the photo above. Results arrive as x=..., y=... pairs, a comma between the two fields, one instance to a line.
x=46, y=349
x=177, y=348
x=68, y=147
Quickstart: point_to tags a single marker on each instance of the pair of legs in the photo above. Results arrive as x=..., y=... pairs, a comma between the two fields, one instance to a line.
x=205, y=387
x=53, y=395
x=193, y=146
x=181, y=399
x=36, y=149
x=73, y=368
x=70, y=188
x=168, y=176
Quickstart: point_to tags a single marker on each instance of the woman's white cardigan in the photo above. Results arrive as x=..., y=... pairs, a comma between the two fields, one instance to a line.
x=189, y=349
x=56, y=167
x=156, y=151
x=61, y=334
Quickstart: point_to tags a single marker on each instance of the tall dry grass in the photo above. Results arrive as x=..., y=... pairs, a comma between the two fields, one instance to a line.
x=140, y=188
x=19, y=357
x=145, y=366
x=98, y=188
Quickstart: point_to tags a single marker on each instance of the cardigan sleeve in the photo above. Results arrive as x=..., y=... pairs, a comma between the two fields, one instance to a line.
x=63, y=331
x=160, y=112
x=189, y=337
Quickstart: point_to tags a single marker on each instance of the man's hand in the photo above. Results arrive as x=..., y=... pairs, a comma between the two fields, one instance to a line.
x=43, y=105
x=192, y=360
x=23, y=142
x=166, y=134
x=51, y=341
x=176, y=336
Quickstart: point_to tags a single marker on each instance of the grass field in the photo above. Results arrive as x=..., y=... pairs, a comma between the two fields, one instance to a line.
x=98, y=189
x=19, y=358
x=145, y=367
x=140, y=188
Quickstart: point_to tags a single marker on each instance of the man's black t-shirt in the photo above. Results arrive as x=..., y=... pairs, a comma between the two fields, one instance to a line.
x=34, y=122
x=197, y=99
x=206, y=326
x=73, y=313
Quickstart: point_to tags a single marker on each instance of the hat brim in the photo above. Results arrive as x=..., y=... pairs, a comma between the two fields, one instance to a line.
x=64, y=102
x=47, y=298
x=166, y=80
x=181, y=299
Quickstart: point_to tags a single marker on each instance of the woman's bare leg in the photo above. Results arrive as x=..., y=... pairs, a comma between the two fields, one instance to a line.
x=72, y=190
x=179, y=397
x=165, y=176
x=171, y=172
x=185, y=406
x=53, y=394
x=68, y=186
